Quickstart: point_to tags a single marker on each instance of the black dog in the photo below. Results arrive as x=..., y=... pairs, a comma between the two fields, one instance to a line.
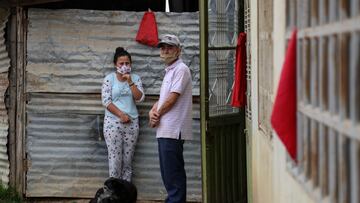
x=116, y=191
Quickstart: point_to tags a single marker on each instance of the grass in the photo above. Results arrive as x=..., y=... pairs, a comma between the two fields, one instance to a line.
x=9, y=195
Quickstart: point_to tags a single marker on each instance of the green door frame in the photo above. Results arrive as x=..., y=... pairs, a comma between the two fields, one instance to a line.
x=219, y=170
x=204, y=91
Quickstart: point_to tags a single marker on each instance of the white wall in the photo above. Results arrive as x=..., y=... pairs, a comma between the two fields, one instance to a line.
x=270, y=179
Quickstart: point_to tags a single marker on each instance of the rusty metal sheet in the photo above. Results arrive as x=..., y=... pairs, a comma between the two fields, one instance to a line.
x=4, y=56
x=4, y=125
x=67, y=154
x=72, y=50
x=4, y=83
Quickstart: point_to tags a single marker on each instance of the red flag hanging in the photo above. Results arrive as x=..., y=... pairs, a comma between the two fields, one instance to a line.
x=283, y=118
x=238, y=93
x=148, y=33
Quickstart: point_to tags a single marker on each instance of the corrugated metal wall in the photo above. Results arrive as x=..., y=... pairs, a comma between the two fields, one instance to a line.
x=69, y=52
x=4, y=83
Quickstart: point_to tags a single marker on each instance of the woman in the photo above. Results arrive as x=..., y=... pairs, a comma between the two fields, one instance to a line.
x=120, y=90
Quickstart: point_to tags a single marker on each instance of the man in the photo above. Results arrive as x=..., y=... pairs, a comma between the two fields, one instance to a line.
x=172, y=117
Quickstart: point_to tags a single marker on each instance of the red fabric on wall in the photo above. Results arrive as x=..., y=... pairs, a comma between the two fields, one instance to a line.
x=238, y=93
x=283, y=118
x=148, y=33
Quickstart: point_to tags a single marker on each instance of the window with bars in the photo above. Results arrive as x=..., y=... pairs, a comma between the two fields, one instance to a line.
x=265, y=64
x=223, y=32
x=328, y=80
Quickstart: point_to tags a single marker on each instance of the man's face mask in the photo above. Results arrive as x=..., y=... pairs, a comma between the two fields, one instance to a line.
x=124, y=69
x=170, y=55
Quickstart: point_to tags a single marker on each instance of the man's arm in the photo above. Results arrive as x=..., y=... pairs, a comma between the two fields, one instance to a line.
x=178, y=84
x=154, y=107
x=169, y=103
x=155, y=114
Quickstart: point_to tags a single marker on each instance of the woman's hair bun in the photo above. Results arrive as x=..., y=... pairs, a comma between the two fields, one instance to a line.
x=119, y=49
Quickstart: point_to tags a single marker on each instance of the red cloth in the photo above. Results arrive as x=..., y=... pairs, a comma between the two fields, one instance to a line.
x=148, y=33
x=238, y=93
x=283, y=118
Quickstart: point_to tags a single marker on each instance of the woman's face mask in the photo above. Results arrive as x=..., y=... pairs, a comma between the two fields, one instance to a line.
x=124, y=69
x=123, y=65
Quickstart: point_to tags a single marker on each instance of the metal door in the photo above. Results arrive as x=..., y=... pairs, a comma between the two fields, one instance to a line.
x=223, y=139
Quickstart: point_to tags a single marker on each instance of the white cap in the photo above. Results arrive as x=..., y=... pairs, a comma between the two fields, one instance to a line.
x=170, y=40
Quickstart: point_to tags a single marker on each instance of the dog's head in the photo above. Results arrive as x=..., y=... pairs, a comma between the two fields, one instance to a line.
x=116, y=191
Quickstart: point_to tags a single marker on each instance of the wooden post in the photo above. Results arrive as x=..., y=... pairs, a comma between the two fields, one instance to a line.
x=12, y=92
x=20, y=114
x=16, y=111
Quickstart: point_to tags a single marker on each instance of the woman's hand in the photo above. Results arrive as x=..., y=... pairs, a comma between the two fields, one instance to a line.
x=124, y=118
x=128, y=78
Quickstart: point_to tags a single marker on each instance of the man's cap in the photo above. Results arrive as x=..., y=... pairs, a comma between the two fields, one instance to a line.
x=170, y=40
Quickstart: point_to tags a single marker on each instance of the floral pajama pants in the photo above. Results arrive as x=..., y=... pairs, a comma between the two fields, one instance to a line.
x=121, y=139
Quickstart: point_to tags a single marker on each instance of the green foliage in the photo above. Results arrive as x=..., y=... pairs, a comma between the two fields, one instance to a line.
x=9, y=195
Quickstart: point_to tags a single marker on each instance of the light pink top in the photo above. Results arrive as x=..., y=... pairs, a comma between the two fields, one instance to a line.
x=179, y=117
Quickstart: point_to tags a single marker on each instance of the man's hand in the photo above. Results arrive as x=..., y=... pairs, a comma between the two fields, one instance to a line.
x=154, y=118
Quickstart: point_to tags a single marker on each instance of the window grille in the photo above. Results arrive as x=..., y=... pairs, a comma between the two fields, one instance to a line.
x=328, y=80
x=223, y=32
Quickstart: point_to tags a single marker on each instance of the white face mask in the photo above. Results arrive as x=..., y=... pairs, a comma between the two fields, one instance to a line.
x=169, y=57
x=124, y=69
